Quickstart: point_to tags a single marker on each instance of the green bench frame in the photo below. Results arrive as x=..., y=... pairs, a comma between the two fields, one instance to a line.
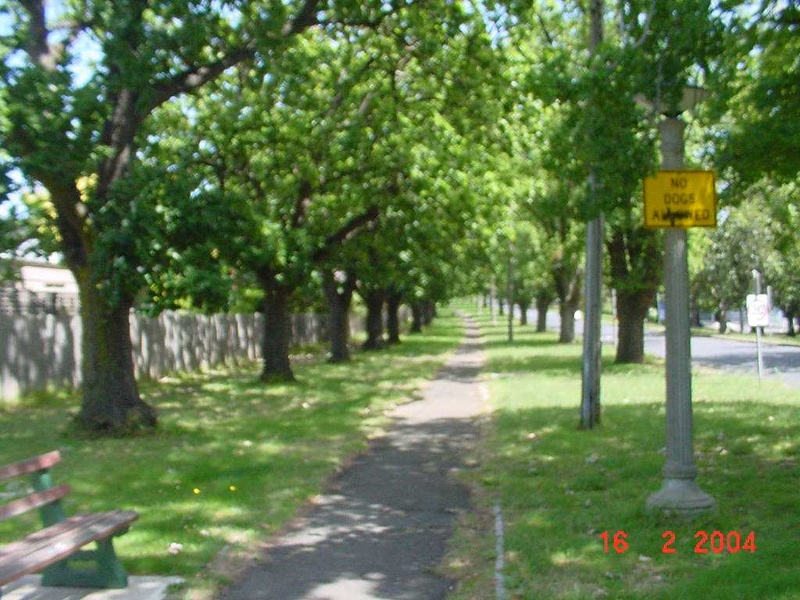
x=57, y=549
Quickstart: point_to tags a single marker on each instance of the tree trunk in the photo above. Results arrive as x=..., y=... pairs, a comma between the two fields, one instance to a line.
x=339, y=297
x=277, y=331
x=696, y=321
x=374, y=300
x=721, y=317
x=631, y=311
x=567, y=312
x=568, y=282
x=790, y=319
x=393, y=302
x=416, y=317
x=523, y=312
x=568, y=286
x=428, y=312
x=542, y=305
x=111, y=403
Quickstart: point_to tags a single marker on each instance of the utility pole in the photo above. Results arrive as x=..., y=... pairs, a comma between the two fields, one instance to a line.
x=593, y=283
x=510, y=290
x=492, y=300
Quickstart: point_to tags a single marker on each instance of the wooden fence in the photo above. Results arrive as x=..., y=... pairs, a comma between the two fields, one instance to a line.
x=40, y=351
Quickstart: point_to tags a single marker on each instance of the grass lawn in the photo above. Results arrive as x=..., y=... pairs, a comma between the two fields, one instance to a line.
x=561, y=488
x=233, y=459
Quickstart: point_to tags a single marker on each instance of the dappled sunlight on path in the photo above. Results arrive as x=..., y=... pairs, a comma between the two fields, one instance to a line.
x=381, y=529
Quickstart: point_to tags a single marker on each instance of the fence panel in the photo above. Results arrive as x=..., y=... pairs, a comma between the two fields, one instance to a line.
x=41, y=350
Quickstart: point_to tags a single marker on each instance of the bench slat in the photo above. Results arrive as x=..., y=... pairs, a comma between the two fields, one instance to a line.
x=50, y=545
x=32, y=501
x=37, y=463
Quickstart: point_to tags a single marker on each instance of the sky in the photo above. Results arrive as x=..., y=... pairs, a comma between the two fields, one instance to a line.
x=85, y=49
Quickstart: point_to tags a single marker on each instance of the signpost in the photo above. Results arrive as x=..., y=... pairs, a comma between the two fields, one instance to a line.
x=758, y=317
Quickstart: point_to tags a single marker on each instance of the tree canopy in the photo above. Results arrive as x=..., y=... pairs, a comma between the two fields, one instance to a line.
x=215, y=155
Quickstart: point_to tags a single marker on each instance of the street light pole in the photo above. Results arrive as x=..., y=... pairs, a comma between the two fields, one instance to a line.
x=679, y=492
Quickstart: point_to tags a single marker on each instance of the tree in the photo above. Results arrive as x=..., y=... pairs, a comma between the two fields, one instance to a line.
x=659, y=49
x=756, y=143
x=434, y=156
x=557, y=210
x=621, y=150
x=740, y=244
x=782, y=270
x=761, y=86
x=757, y=231
x=300, y=160
x=416, y=253
x=70, y=118
x=12, y=235
x=284, y=154
x=533, y=284
x=565, y=255
x=635, y=258
x=338, y=287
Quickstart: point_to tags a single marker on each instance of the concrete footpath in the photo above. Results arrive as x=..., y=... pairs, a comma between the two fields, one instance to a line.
x=139, y=588
x=381, y=529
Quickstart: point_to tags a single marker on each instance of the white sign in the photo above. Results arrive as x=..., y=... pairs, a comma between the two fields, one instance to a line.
x=757, y=310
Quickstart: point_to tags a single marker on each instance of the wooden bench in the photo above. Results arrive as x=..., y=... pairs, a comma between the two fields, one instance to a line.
x=56, y=550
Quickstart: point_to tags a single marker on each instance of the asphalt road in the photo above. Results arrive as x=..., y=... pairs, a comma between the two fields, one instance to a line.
x=727, y=355
x=736, y=356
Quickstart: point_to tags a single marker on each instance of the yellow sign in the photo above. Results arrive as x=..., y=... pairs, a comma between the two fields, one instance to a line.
x=680, y=199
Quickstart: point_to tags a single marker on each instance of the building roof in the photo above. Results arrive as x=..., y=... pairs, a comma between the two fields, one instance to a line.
x=44, y=277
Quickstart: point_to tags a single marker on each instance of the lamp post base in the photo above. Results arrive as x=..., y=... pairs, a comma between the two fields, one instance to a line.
x=681, y=496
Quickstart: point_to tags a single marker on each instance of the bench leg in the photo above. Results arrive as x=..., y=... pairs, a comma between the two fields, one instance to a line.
x=109, y=568
x=108, y=572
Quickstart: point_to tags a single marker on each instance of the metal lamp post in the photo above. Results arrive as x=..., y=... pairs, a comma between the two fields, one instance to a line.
x=680, y=492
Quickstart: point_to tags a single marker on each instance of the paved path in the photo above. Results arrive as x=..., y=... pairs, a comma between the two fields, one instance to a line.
x=139, y=588
x=382, y=528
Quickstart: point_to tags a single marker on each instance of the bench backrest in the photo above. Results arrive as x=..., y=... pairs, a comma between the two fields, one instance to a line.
x=45, y=495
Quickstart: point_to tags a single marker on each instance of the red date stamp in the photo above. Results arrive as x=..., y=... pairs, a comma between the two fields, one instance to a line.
x=705, y=542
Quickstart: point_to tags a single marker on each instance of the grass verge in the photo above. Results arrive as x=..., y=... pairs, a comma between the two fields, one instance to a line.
x=233, y=459
x=560, y=488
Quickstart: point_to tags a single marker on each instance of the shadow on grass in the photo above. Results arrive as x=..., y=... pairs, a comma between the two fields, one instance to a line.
x=544, y=340
x=545, y=365
x=562, y=487
x=549, y=364
x=233, y=458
